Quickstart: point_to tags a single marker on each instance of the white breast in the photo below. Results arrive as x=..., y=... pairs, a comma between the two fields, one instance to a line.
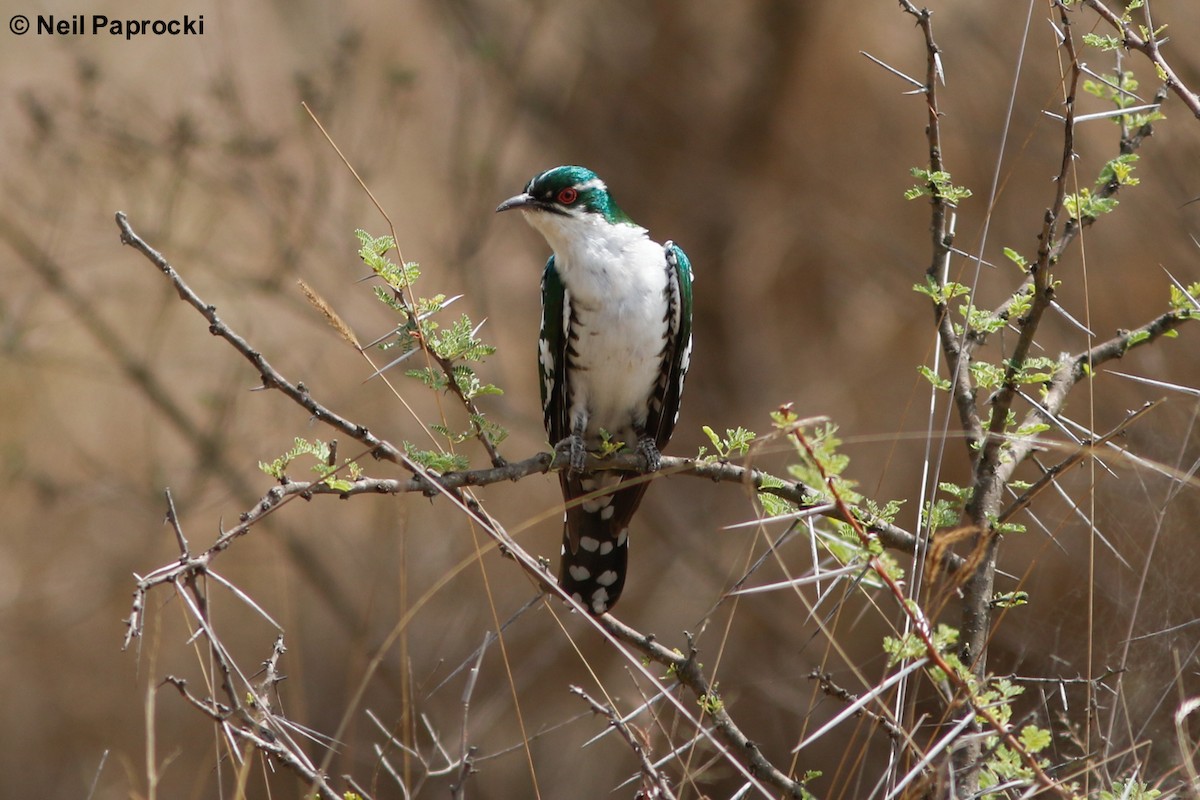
x=616, y=281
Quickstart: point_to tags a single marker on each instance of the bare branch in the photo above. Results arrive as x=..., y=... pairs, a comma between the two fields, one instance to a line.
x=261, y=738
x=655, y=784
x=271, y=378
x=687, y=670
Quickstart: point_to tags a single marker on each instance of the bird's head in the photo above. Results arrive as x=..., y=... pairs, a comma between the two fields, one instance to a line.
x=565, y=201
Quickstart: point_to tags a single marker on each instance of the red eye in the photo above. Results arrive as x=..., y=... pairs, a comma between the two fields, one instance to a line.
x=568, y=196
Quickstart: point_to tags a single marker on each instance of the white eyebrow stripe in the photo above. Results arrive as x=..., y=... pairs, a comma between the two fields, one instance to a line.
x=594, y=183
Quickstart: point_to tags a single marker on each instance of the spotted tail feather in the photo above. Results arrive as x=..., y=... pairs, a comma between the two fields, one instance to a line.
x=595, y=548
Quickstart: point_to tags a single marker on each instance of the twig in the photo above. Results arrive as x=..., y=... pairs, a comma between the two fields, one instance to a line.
x=271, y=379
x=1149, y=47
x=829, y=687
x=686, y=669
x=408, y=302
x=260, y=738
x=466, y=765
x=173, y=518
x=655, y=785
x=1076, y=458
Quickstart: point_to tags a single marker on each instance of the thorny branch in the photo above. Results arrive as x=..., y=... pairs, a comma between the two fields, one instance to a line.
x=252, y=720
x=282, y=750
x=687, y=670
x=996, y=454
x=271, y=379
x=922, y=628
x=990, y=474
x=956, y=351
x=655, y=784
x=1149, y=46
x=432, y=485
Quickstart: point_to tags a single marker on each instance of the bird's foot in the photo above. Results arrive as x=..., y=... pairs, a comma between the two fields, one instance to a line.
x=574, y=451
x=648, y=450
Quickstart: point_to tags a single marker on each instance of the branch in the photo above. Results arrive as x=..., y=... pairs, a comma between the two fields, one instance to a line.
x=1076, y=458
x=957, y=352
x=261, y=738
x=658, y=784
x=686, y=669
x=1149, y=47
x=271, y=378
x=987, y=489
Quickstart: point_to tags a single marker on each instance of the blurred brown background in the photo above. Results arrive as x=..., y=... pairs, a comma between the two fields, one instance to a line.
x=754, y=134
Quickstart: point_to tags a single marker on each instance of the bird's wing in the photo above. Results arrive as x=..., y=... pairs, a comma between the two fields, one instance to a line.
x=552, y=354
x=664, y=406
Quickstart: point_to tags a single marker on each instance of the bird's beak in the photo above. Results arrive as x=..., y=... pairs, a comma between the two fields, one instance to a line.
x=522, y=200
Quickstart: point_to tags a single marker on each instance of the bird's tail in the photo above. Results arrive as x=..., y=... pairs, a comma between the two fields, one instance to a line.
x=595, y=548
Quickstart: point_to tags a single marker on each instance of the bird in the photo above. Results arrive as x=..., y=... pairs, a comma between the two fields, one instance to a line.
x=613, y=351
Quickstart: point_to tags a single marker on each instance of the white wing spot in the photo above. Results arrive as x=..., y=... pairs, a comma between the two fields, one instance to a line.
x=607, y=511
x=588, y=484
x=622, y=537
x=592, y=506
x=606, y=548
x=579, y=572
x=607, y=578
x=591, y=545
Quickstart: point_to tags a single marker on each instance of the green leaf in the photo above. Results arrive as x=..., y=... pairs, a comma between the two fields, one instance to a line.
x=1180, y=300
x=1086, y=205
x=1016, y=258
x=940, y=383
x=936, y=184
x=987, y=376
x=938, y=292
x=1137, y=337
x=1119, y=171
x=436, y=461
x=1106, y=42
x=1035, y=739
x=735, y=443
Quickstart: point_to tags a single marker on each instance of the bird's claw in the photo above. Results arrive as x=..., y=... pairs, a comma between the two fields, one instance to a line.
x=572, y=449
x=649, y=453
x=578, y=453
